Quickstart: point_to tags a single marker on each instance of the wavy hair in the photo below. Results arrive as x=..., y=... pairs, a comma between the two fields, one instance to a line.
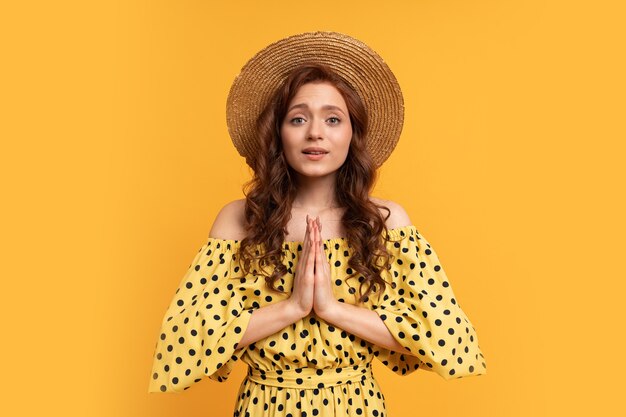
x=271, y=191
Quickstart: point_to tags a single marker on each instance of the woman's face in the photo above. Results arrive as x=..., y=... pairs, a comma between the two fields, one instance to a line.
x=317, y=117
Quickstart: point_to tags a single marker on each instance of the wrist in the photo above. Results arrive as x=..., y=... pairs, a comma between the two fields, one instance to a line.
x=292, y=311
x=333, y=313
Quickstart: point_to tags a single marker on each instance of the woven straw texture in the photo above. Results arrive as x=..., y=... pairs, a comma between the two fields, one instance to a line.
x=356, y=62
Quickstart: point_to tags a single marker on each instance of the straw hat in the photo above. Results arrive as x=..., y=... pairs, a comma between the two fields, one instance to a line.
x=360, y=66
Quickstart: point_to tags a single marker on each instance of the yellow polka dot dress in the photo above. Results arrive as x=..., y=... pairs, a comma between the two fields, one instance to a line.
x=312, y=367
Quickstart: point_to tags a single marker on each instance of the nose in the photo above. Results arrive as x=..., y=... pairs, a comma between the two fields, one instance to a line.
x=315, y=129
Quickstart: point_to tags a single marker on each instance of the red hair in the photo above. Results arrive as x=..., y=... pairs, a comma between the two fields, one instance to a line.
x=270, y=193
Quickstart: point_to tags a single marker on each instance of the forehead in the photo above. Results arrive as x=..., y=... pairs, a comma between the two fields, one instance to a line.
x=318, y=93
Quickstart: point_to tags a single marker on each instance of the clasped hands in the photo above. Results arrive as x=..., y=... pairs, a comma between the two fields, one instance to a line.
x=312, y=289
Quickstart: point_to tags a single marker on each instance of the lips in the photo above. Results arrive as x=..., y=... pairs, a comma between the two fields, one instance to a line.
x=313, y=150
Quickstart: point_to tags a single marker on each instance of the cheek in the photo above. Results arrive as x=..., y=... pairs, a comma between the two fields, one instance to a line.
x=287, y=142
x=347, y=137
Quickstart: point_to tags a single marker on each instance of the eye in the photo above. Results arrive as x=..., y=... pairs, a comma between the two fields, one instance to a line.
x=297, y=120
x=334, y=120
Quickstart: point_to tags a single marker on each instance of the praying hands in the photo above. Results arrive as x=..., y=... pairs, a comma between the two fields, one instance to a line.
x=312, y=286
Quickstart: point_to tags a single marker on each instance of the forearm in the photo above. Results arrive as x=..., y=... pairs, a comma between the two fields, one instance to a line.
x=266, y=321
x=364, y=323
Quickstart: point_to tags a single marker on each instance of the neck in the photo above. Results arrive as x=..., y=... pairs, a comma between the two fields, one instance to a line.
x=315, y=193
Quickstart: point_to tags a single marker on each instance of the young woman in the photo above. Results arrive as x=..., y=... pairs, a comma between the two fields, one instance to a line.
x=309, y=278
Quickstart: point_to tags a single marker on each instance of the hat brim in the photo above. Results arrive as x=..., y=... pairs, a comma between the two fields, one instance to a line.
x=357, y=63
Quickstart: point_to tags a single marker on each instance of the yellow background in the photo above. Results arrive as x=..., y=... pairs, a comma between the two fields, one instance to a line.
x=116, y=159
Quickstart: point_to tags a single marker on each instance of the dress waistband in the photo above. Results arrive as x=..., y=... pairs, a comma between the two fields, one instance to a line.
x=308, y=378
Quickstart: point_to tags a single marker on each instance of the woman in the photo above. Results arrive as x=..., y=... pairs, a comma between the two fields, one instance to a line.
x=306, y=279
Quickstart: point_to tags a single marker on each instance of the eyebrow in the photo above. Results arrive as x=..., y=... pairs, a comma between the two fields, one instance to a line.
x=325, y=107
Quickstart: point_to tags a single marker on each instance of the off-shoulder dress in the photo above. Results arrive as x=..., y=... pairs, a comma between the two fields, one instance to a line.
x=312, y=367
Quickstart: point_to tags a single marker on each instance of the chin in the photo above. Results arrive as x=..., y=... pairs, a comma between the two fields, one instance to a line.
x=318, y=172
x=314, y=169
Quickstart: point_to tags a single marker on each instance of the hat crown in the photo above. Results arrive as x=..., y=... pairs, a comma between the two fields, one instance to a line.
x=359, y=65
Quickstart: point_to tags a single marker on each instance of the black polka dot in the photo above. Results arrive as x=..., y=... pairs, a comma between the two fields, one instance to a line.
x=207, y=319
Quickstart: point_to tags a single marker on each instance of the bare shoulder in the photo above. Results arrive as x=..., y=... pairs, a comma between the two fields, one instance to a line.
x=229, y=222
x=398, y=216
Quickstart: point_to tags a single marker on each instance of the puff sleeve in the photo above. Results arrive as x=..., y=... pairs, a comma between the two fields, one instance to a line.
x=204, y=322
x=423, y=315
